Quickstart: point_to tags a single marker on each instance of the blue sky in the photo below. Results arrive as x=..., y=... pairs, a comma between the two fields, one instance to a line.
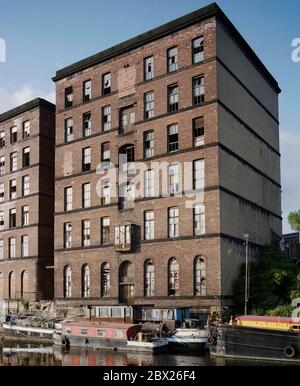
x=43, y=36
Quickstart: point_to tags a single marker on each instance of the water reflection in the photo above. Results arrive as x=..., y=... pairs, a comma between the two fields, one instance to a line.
x=33, y=355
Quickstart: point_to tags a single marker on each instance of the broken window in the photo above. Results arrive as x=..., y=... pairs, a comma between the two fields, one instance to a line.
x=12, y=189
x=105, y=152
x=105, y=192
x=2, y=139
x=86, y=159
x=67, y=235
x=2, y=195
x=172, y=55
x=173, y=138
x=198, y=131
x=198, y=90
x=87, y=124
x=198, y=50
x=87, y=90
x=12, y=218
x=13, y=134
x=173, y=98
x=26, y=157
x=128, y=152
x=68, y=129
x=199, y=276
x=106, y=83
x=26, y=129
x=149, y=68
x=2, y=165
x=69, y=97
x=148, y=144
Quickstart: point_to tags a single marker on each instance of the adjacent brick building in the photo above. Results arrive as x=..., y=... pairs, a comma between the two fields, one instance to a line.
x=27, y=201
x=192, y=91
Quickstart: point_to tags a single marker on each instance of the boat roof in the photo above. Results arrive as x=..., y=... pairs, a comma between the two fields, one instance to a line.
x=271, y=319
x=96, y=324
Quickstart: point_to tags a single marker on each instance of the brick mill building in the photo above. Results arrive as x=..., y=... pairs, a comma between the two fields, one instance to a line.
x=27, y=201
x=191, y=90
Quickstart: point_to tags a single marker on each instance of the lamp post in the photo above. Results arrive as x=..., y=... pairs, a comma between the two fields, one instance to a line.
x=247, y=282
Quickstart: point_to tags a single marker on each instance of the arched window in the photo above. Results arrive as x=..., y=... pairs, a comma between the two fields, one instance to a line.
x=67, y=282
x=86, y=281
x=126, y=282
x=12, y=285
x=149, y=278
x=173, y=277
x=24, y=285
x=1, y=285
x=199, y=276
x=105, y=279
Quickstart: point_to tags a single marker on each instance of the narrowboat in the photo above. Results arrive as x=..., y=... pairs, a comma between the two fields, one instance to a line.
x=122, y=336
x=256, y=337
x=30, y=328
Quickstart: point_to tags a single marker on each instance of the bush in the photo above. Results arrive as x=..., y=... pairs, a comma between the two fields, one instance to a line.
x=274, y=282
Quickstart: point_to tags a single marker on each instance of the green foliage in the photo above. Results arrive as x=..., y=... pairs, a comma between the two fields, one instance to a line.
x=25, y=304
x=294, y=220
x=281, y=310
x=274, y=282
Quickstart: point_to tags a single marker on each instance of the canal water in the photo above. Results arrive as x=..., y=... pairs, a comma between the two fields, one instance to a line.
x=32, y=355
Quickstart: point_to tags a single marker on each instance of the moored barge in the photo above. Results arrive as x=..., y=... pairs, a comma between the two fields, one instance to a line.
x=122, y=336
x=256, y=337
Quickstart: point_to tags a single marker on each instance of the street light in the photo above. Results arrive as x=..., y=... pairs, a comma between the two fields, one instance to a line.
x=247, y=275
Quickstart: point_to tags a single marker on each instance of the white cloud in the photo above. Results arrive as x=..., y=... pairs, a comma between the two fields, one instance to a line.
x=9, y=100
x=290, y=171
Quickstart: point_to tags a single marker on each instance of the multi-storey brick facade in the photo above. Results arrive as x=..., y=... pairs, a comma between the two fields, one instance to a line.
x=203, y=95
x=27, y=201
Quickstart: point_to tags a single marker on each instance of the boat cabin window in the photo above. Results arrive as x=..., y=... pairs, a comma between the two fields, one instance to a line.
x=83, y=331
x=104, y=312
x=119, y=333
x=100, y=332
x=68, y=330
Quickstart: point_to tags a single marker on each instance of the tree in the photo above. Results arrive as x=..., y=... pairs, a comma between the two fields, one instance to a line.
x=294, y=220
x=274, y=280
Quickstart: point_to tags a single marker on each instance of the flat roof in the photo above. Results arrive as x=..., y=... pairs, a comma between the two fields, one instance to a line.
x=37, y=102
x=212, y=10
